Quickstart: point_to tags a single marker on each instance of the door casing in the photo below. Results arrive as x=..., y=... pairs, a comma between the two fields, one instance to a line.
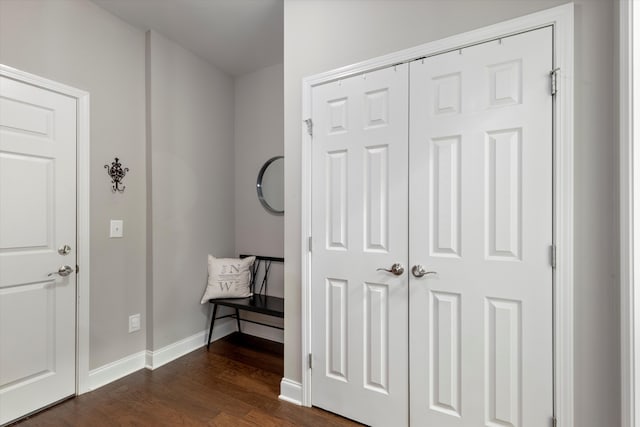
x=629, y=16
x=562, y=20
x=82, y=225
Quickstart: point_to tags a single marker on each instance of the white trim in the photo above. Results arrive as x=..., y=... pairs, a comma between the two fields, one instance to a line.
x=83, y=191
x=115, y=370
x=83, y=224
x=561, y=18
x=171, y=352
x=563, y=170
x=151, y=360
x=261, y=331
x=628, y=341
x=291, y=391
x=305, y=234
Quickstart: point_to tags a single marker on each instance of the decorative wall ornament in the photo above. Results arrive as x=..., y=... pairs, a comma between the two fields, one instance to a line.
x=117, y=173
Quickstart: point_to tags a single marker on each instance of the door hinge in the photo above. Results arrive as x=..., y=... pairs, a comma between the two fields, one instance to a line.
x=553, y=251
x=310, y=241
x=554, y=422
x=77, y=269
x=310, y=361
x=553, y=75
x=309, y=123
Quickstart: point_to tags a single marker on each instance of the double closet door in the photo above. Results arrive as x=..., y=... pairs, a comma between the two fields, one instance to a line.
x=432, y=226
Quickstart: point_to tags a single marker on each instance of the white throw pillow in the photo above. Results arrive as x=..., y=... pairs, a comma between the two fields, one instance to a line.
x=228, y=278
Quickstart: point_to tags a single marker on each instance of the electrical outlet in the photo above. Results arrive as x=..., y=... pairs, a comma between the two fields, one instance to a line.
x=116, y=228
x=134, y=322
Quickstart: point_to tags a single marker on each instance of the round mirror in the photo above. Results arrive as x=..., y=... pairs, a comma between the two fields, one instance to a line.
x=271, y=185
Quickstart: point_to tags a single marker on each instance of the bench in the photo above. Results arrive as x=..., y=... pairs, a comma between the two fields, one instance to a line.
x=260, y=302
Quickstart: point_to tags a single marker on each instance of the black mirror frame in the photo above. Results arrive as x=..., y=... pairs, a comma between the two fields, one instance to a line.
x=259, y=186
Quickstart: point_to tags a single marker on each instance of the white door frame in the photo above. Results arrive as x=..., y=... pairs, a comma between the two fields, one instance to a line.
x=561, y=18
x=629, y=210
x=82, y=224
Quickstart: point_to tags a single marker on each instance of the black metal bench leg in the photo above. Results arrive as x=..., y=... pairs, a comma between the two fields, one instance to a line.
x=213, y=319
x=238, y=319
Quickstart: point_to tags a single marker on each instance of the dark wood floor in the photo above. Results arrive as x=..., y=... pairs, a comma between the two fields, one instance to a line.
x=235, y=384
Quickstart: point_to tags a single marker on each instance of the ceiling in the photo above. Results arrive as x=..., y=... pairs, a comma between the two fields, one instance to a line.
x=236, y=36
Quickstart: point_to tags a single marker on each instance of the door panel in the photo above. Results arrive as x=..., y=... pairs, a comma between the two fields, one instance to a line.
x=360, y=336
x=444, y=358
x=481, y=218
x=445, y=226
x=37, y=216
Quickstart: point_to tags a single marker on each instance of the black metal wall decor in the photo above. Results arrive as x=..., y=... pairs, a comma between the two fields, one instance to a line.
x=117, y=173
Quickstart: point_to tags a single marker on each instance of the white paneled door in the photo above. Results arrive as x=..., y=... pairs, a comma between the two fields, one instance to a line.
x=37, y=220
x=445, y=168
x=360, y=330
x=481, y=219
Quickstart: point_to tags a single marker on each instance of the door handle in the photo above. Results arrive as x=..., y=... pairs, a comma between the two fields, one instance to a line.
x=396, y=269
x=419, y=271
x=63, y=271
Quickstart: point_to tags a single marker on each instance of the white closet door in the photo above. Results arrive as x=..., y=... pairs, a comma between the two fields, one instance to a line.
x=481, y=217
x=37, y=217
x=359, y=224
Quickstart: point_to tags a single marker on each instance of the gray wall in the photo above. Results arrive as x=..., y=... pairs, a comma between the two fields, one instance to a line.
x=322, y=35
x=190, y=148
x=79, y=44
x=174, y=212
x=259, y=129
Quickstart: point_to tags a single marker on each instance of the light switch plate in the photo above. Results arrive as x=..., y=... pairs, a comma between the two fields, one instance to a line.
x=116, y=228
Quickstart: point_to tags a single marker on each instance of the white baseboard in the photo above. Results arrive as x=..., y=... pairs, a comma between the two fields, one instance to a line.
x=261, y=331
x=157, y=358
x=291, y=391
x=154, y=359
x=224, y=327
x=115, y=370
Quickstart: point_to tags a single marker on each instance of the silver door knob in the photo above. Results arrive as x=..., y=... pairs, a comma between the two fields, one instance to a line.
x=396, y=269
x=420, y=271
x=63, y=271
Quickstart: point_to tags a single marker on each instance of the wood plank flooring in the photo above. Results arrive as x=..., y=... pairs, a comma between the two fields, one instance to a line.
x=235, y=384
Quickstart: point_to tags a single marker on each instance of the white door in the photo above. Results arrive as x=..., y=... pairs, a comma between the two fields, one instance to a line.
x=359, y=224
x=37, y=217
x=481, y=218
